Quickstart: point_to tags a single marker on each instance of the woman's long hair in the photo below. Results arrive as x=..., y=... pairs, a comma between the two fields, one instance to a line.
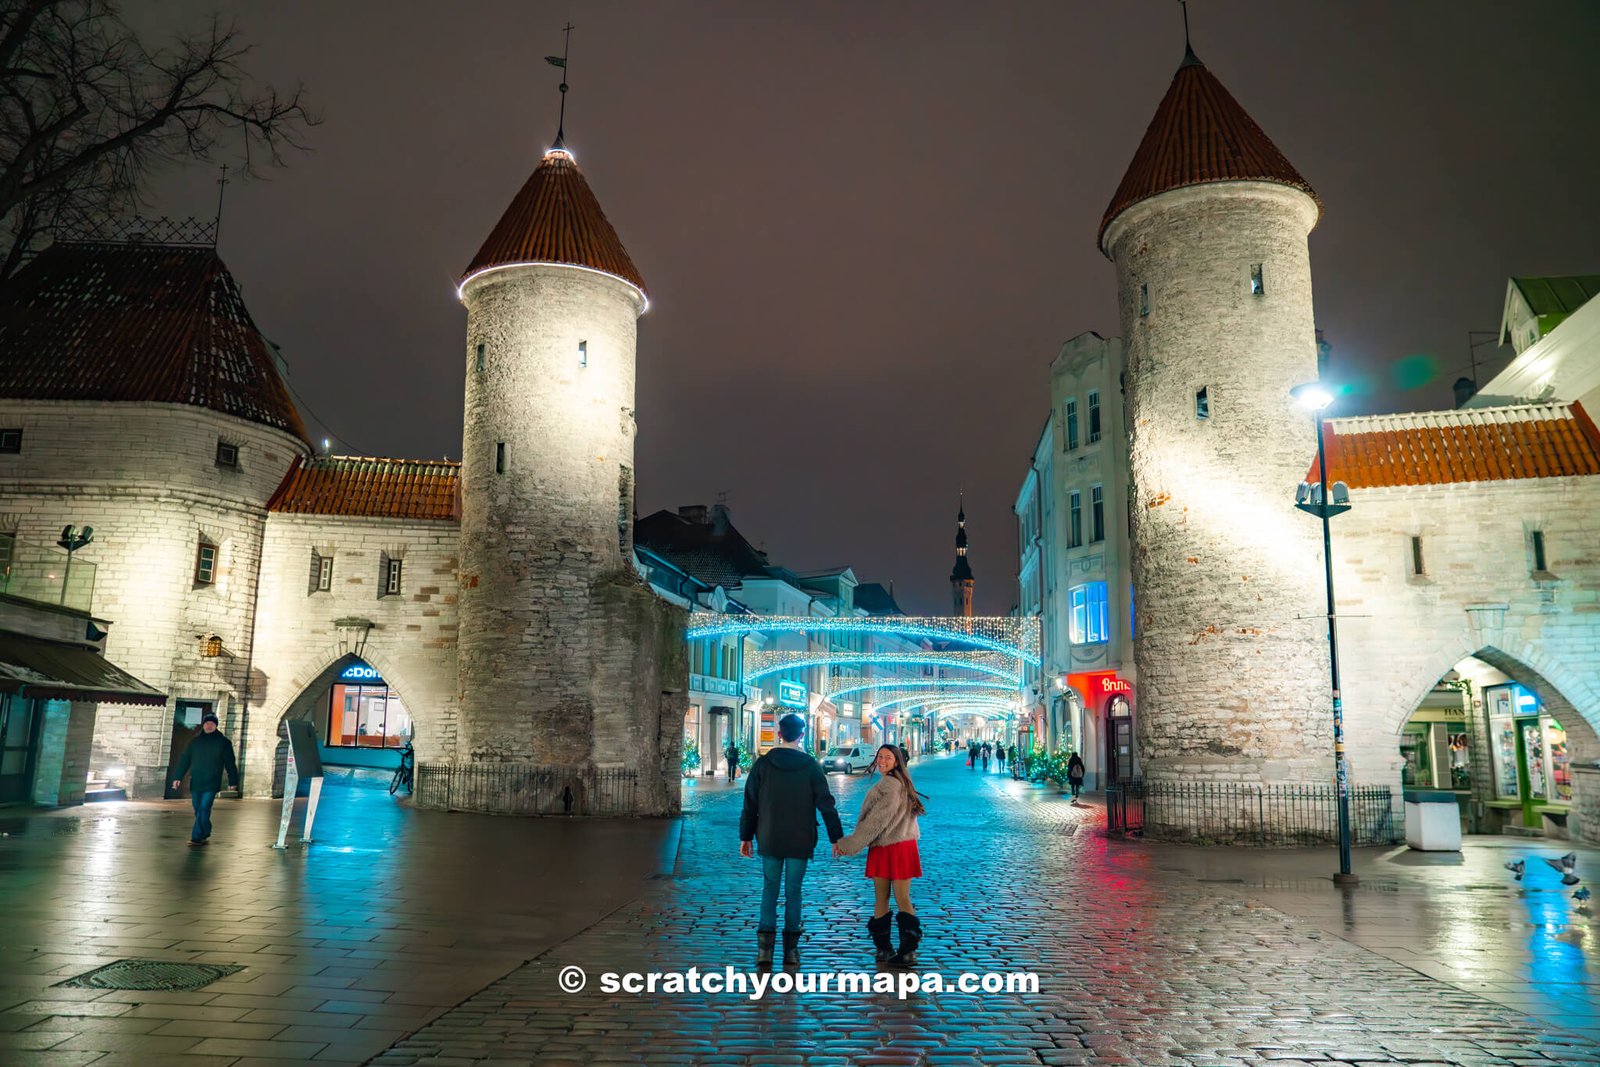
x=900, y=771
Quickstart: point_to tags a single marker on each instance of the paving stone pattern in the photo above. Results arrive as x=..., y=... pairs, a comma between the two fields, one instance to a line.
x=1137, y=965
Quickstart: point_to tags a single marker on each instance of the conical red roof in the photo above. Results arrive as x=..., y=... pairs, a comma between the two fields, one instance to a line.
x=555, y=218
x=1200, y=134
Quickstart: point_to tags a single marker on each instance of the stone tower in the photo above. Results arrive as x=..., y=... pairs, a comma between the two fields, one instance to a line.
x=1208, y=231
x=961, y=574
x=563, y=653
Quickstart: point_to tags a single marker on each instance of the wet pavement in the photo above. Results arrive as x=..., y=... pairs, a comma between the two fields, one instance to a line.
x=421, y=938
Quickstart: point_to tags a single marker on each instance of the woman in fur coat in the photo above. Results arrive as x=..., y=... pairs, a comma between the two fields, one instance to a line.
x=887, y=828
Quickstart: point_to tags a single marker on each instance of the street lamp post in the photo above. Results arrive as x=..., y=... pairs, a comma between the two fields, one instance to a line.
x=1315, y=398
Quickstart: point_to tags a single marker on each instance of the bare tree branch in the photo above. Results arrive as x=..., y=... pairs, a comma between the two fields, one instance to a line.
x=88, y=111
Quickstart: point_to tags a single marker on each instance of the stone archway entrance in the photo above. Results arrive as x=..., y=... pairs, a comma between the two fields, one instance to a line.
x=358, y=715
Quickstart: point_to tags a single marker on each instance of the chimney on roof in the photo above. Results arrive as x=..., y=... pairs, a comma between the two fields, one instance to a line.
x=695, y=513
x=719, y=518
x=1464, y=389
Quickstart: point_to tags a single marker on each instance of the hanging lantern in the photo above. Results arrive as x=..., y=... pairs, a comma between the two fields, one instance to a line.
x=211, y=646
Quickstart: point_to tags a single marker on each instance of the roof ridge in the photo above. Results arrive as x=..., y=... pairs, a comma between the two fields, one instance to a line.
x=1455, y=416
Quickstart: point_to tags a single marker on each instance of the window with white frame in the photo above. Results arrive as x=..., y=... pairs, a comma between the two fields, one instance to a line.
x=205, y=562
x=1094, y=417
x=389, y=575
x=1089, y=623
x=1071, y=410
x=321, y=572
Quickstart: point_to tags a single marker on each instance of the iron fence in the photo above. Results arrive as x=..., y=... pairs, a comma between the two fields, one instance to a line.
x=526, y=789
x=1237, y=813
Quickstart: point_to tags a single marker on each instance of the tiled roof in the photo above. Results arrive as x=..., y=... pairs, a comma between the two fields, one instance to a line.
x=1199, y=134
x=874, y=599
x=555, y=218
x=712, y=555
x=1469, y=445
x=138, y=322
x=370, y=488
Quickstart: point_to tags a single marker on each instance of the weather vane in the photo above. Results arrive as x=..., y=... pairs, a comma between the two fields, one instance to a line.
x=561, y=61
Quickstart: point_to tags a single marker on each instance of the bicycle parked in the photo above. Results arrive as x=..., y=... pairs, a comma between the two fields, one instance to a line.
x=405, y=774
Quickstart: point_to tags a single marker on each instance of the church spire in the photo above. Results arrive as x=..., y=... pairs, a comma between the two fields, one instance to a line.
x=961, y=581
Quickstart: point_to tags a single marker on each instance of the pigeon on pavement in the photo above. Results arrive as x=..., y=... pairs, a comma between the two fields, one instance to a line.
x=1516, y=868
x=1582, y=894
x=1566, y=864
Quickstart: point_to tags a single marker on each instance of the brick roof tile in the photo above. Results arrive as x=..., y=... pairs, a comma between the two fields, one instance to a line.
x=556, y=218
x=138, y=322
x=366, y=487
x=1469, y=445
x=1199, y=134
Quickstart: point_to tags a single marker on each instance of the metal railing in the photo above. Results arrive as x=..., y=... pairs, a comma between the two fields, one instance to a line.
x=526, y=789
x=45, y=575
x=1238, y=813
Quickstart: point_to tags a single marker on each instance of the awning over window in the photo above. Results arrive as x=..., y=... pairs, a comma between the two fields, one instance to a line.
x=50, y=670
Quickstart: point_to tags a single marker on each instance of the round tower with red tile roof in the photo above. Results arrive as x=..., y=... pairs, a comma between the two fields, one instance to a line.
x=557, y=659
x=1208, y=231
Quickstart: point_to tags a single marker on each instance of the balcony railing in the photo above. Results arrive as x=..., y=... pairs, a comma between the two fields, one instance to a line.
x=45, y=575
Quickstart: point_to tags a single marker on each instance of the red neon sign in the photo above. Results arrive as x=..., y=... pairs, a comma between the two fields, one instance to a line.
x=1099, y=683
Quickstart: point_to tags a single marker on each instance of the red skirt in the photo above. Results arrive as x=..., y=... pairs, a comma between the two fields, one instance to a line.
x=896, y=862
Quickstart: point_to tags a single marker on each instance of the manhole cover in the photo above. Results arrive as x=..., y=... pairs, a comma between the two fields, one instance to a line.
x=151, y=975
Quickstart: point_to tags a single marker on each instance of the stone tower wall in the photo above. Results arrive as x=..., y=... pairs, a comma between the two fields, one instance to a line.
x=1229, y=647
x=547, y=542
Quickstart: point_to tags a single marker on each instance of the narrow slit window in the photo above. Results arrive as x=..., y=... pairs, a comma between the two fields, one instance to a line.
x=624, y=505
x=583, y=353
x=1416, y=557
x=480, y=359
x=205, y=563
x=500, y=457
x=1094, y=417
x=1202, y=402
x=1144, y=299
x=1258, y=287
x=1538, y=551
x=391, y=578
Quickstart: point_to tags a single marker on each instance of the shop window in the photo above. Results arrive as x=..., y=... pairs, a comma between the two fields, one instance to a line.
x=1538, y=552
x=480, y=359
x=367, y=714
x=389, y=575
x=11, y=441
x=1097, y=513
x=1258, y=287
x=205, y=563
x=1089, y=620
x=583, y=353
x=321, y=572
x=1072, y=422
x=1094, y=417
x=227, y=455
x=1202, y=403
x=1074, y=519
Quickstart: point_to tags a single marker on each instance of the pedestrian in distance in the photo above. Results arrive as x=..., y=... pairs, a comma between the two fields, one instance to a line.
x=733, y=760
x=1075, y=774
x=1000, y=758
x=986, y=757
x=905, y=757
x=888, y=829
x=206, y=758
x=783, y=794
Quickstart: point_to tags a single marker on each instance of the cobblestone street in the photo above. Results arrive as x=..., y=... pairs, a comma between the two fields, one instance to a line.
x=1138, y=962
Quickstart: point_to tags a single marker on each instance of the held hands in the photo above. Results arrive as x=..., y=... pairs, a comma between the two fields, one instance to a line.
x=746, y=849
x=838, y=853
x=177, y=782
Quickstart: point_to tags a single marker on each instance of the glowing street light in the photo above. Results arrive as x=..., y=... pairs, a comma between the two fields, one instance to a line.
x=1316, y=500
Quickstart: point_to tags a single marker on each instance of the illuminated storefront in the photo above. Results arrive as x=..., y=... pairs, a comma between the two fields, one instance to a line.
x=364, y=713
x=1529, y=754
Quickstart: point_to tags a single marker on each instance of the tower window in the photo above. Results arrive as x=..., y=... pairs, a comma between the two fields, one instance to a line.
x=480, y=358
x=205, y=563
x=1094, y=417
x=1097, y=513
x=1144, y=299
x=583, y=353
x=1257, y=286
x=1072, y=422
x=624, y=505
x=1416, y=557
x=1538, y=552
x=227, y=455
x=321, y=572
x=11, y=441
x=1202, y=403
x=390, y=576
x=499, y=457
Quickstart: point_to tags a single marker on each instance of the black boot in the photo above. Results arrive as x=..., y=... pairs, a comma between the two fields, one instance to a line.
x=878, y=930
x=910, y=938
x=764, y=941
x=791, y=949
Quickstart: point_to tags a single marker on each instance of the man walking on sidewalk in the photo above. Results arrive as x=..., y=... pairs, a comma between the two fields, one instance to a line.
x=783, y=793
x=205, y=760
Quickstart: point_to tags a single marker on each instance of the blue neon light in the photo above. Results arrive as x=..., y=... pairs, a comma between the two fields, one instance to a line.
x=792, y=694
x=361, y=672
x=823, y=661
x=743, y=624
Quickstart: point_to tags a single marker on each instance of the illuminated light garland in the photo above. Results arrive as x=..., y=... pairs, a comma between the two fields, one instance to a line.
x=1016, y=637
x=924, y=699
x=754, y=671
x=461, y=290
x=893, y=682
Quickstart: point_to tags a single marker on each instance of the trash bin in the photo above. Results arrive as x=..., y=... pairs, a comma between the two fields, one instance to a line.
x=1433, y=820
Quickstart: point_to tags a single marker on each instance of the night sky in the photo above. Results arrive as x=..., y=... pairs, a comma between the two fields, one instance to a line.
x=868, y=226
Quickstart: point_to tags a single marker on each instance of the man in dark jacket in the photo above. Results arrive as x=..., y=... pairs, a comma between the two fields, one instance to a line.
x=205, y=759
x=783, y=793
